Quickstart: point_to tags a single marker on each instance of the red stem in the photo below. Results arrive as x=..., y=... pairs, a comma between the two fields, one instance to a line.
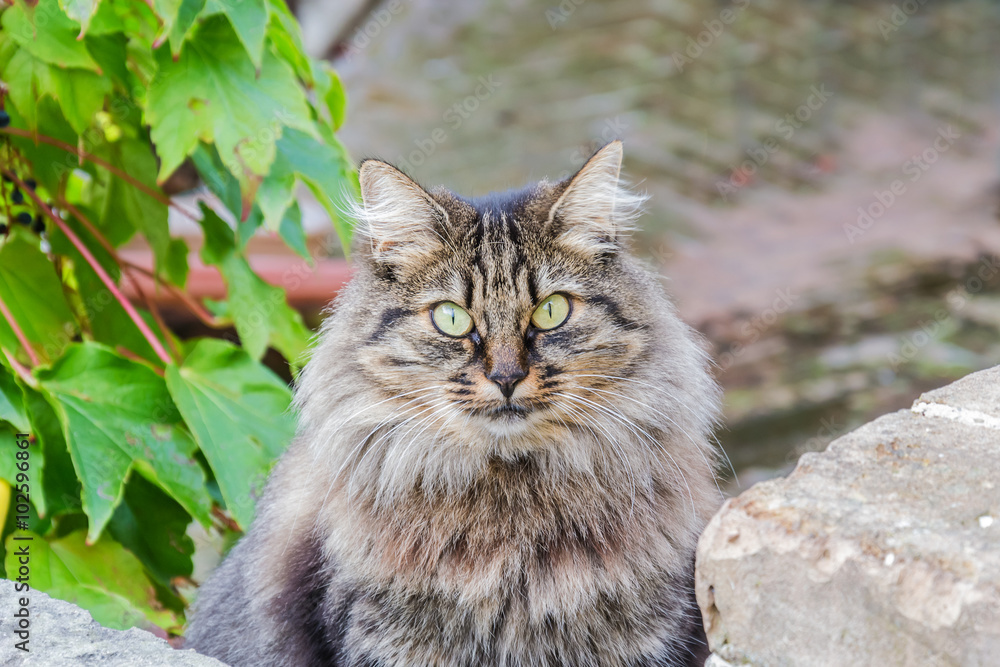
x=17, y=332
x=19, y=369
x=151, y=305
x=152, y=192
x=193, y=305
x=140, y=323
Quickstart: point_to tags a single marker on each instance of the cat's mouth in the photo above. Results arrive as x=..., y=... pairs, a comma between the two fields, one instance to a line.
x=510, y=411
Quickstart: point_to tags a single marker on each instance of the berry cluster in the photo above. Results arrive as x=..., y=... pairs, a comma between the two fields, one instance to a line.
x=17, y=200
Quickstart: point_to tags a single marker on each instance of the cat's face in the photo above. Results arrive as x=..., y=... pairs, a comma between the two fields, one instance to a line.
x=493, y=315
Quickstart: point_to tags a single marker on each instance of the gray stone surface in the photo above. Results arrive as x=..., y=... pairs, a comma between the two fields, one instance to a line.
x=64, y=635
x=882, y=550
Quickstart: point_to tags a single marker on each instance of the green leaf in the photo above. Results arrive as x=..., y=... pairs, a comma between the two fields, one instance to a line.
x=50, y=163
x=117, y=415
x=238, y=412
x=166, y=11
x=217, y=178
x=53, y=40
x=126, y=206
x=80, y=94
x=322, y=166
x=28, y=80
x=9, y=461
x=104, y=21
x=212, y=93
x=285, y=36
x=103, y=578
x=249, y=20
x=219, y=240
x=59, y=484
x=259, y=311
x=225, y=186
x=292, y=232
x=330, y=89
x=33, y=293
x=152, y=526
x=81, y=11
x=176, y=267
x=12, y=402
x=186, y=15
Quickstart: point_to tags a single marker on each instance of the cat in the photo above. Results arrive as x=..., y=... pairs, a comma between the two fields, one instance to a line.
x=503, y=455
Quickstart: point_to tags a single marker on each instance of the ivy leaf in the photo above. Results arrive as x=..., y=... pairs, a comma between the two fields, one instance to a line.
x=186, y=15
x=166, y=11
x=12, y=402
x=33, y=293
x=80, y=94
x=293, y=234
x=330, y=89
x=249, y=20
x=322, y=166
x=28, y=80
x=176, y=266
x=152, y=526
x=103, y=578
x=117, y=415
x=104, y=21
x=285, y=36
x=54, y=41
x=212, y=93
x=259, y=311
x=50, y=163
x=81, y=11
x=238, y=412
x=59, y=484
x=125, y=205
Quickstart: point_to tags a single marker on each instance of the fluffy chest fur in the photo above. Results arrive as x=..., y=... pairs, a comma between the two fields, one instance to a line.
x=523, y=568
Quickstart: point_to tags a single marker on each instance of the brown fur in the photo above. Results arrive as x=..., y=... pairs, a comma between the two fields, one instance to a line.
x=420, y=518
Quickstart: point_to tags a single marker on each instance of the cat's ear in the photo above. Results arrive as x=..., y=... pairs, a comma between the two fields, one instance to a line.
x=595, y=211
x=404, y=225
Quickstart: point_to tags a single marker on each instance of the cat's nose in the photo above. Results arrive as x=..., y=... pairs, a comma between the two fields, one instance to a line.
x=507, y=379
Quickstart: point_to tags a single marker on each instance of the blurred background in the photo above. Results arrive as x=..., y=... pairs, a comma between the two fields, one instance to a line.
x=825, y=176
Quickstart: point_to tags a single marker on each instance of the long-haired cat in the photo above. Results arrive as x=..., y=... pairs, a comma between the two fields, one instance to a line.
x=503, y=453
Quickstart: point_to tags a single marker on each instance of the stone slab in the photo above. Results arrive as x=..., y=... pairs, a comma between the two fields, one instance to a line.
x=882, y=550
x=64, y=635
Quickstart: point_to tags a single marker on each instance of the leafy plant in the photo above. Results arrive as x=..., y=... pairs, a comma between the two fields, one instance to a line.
x=134, y=433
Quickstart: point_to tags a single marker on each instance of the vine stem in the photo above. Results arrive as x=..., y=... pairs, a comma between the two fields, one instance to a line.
x=52, y=141
x=21, y=338
x=23, y=372
x=150, y=304
x=196, y=308
x=140, y=323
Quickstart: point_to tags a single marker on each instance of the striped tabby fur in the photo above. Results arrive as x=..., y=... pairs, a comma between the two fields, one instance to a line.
x=419, y=517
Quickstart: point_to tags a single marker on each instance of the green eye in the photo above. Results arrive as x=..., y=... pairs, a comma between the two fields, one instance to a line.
x=451, y=319
x=551, y=313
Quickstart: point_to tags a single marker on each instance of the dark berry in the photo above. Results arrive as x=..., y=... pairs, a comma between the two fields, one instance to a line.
x=38, y=226
x=4, y=118
x=3, y=228
x=31, y=183
x=24, y=218
x=17, y=197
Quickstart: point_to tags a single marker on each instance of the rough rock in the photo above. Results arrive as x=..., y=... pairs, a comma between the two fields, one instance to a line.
x=882, y=550
x=64, y=635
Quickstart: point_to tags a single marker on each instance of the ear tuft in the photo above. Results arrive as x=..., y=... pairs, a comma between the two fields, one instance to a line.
x=596, y=211
x=403, y=224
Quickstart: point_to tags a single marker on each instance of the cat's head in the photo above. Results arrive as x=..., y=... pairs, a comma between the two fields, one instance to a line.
x=512, y=320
